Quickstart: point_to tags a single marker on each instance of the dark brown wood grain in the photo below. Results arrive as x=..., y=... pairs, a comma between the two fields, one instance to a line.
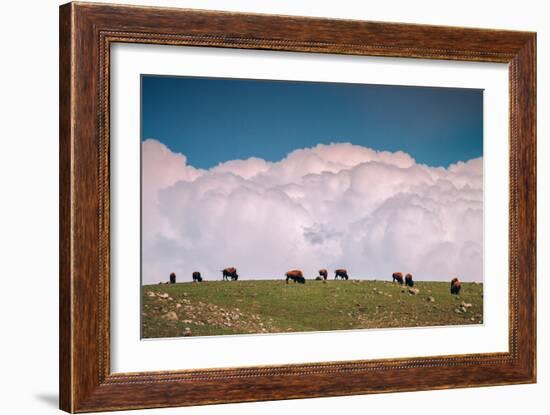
x=86, y=33
x=65, y=246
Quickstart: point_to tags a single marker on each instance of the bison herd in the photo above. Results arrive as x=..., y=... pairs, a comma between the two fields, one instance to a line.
x=297, y=276
x=398, y=277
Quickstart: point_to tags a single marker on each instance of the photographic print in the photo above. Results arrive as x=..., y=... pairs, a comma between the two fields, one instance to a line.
x=272, y=206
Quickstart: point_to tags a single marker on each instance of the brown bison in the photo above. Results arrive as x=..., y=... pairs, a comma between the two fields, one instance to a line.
x=172, y=278
x=230, y=272
x=342, y=273
x=397, y=277
x=409, y=280
x=296, y=276
x=455, y=286
x=323, y=273
x=197, y=276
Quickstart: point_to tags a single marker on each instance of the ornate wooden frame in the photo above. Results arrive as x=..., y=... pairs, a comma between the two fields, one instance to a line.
x=86, y=33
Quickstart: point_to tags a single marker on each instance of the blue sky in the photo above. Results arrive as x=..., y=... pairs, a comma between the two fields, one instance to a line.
x=212, y=120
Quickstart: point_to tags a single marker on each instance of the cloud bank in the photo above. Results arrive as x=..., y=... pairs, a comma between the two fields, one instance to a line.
x=330, y=206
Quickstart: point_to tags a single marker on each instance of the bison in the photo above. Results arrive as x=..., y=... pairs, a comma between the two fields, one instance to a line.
x=342, y=273
x=397, y=277
x=173, y=278
x=455, y=286
x=197, y=276
x=409, y=280
x=230, y=272
x=296, y=276
x=323, y=273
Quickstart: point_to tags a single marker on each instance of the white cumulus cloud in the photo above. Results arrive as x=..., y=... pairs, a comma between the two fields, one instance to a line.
x=330, y=206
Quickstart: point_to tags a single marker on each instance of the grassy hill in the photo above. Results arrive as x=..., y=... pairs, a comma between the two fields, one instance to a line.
x=271, y=306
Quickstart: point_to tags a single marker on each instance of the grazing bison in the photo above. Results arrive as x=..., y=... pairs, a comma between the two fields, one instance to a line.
x=197, y=276
x=230, y=272
x=397, y=277
x=342, y=273
x=296, y=276
x=409, y=280
x=323, y=273
x=455, y=286
x=173, y=278
x=319, y=278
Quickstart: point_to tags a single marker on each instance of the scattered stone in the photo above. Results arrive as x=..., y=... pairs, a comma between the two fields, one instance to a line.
x=151, y=294
x=164, y=296
x=465, y=305
x=178, y=305
x=171, y=316
x=413, y=291
x=187, y=332
x=430, y=299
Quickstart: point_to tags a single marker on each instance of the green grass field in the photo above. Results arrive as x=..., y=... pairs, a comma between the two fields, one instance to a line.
x=272, y=306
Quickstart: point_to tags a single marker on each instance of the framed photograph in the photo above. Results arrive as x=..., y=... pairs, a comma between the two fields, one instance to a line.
x=258, y=207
